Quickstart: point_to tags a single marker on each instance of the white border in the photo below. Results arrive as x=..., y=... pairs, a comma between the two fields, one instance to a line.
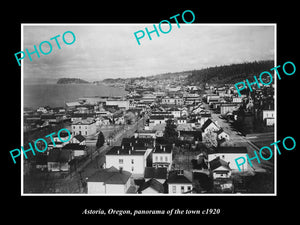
x=141, y=195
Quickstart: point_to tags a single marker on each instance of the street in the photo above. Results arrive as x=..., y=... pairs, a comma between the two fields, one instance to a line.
x=238, y=140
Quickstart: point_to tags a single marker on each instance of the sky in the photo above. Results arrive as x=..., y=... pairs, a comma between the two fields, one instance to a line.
x=111, y=51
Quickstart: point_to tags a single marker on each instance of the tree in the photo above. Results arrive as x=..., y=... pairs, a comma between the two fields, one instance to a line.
x=170, y=133
x=100, y=141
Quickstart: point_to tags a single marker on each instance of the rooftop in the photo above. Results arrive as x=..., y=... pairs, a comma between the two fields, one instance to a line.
x=110, y=176
x=177, y=178
x=154, y=184
x=157, y=173
x=162, y=149
x=231, y=149
x=118, y=150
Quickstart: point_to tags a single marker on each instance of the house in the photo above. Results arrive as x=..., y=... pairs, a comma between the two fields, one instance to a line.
x=222, y=135
x=179, y=182
x=78, y=139
x=219, y=168
x=41, y=161
x=109, y=181
x=237, y=99
x=203, y=117
x=84, y=127
x=82, y=116
x=145, y=134
x=162, y=156
x=159, y=174
x=139, y=144
x=175, y=112
x=151, y=186
x=228, y=108
x=209, y=125
x=229, y=154
x=58, y=160
x=181, y=120
x=268, y=116
x=76, y=149
x=172, y=101
x=190, y=135
x=122, y=104
x=132, y=159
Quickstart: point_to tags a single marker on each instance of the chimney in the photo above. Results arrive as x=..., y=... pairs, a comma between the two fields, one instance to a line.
x=118, y=152
x=129, y=151
x=122, y=146
x=121, y=169
x=160, y=147
x=164, y=148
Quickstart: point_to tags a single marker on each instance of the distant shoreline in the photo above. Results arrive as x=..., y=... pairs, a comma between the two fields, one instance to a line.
x=56, y=95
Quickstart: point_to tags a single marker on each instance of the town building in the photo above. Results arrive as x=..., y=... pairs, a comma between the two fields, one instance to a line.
x=229, y=154
x=179, y=182
x=132, y=159
x=162, y=156
x=109, y=181
x=84, y=127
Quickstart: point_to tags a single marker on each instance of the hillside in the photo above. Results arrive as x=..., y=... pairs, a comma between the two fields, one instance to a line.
x=71, y=81
x=229, y=74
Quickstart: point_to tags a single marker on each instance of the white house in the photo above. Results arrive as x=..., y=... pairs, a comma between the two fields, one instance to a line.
x=109, y=181
x=127, y=158
x=209, y=125
x=229, y=154
x=219, y=168
x=78, y=139
x=162, y=156
x=84, y=127
x=179, y=182
x=181, y=120
x=269, y=117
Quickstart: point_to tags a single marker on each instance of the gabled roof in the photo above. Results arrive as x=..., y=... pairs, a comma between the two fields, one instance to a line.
x=79, y=137
x=110, y=176
x=217, y=162
x=154, y=184
x=231, y=149
x=157, y=173
x=175, y=178
x=59, y=155
x=74, y=146
x=206, y=124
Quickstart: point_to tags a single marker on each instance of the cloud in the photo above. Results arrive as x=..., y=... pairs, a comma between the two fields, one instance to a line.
x=110, y=50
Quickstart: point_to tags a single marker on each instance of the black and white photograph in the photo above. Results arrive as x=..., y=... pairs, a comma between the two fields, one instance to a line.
x=149, y=111
x=162, y=116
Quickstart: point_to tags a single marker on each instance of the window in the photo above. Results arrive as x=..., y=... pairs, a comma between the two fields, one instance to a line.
x=85, y=132
x=182, y=189
x=132, y=161
x=166, y=158
x=85, y=127
x=156, y=158
x=174, y=189
x=120, y=161
x=73, y=127
x=132, y=168
x=79, y=127
x=189, y=188
x=161, y=158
